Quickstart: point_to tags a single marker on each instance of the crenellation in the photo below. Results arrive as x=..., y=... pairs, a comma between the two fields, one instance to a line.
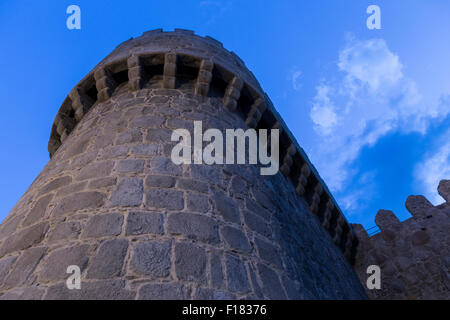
x=315, y=199
x=411, y=254
x=214, y=41
x=386, y=219
x=232, y=94
x=288, y=159
x=204, y=77
x=135, y=73
x=338, y=230
x=81, y=102
x=104, y=83
x=184, y=31
x=327, y=214
x=444, y=190
x=170, y=70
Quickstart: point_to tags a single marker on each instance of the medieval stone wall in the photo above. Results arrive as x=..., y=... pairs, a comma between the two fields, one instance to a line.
x=112, y=202
x=413, y=255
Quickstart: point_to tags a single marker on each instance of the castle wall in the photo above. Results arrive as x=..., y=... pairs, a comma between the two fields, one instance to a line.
x=140, y=227
x=413, y=255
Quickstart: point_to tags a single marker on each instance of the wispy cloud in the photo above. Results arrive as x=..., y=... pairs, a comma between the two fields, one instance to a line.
x=370, y=98
x=295, y=79
x=214, y=9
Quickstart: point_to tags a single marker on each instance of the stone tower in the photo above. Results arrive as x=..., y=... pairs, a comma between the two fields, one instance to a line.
x=111, y=202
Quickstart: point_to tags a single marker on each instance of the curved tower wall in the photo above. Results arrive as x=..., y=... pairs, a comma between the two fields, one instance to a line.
x=112, y=202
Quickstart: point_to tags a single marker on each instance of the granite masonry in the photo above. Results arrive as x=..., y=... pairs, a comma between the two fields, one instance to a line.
x=112, y=202
x=413, y=255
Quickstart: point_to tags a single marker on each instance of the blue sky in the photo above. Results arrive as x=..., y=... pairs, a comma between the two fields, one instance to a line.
x=370, y=107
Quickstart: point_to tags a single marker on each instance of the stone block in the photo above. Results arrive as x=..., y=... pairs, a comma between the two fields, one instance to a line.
x=165, y=166
x=114, y=152
x=106, y=289
x=24, y=238
x=163, y=291
x=109, y=224
x=9, y=225
x=268, y=252
x=237, y=280
x=77, y=147
x=194, y=226
x=257, y=224
x=96, y=170
x=54, y=267
x=227, y=208
x=131, y=165
x=84, y=159
x=5, y=266
x=103, y=183
x=236, y=239
x=55, y=184
x=158, y=135
x=165, y=199
x=216, y=271
x=190, y=262
x=271, y=283
x=144, y=223
x=24, y=267
x=28, y=293
x=145, y=149
x=129, y=136
x=152, y=259
x=197, y=203
x=129, y=193
x=148, y=122
x=192, y=185
x=157, y=181
x=206, y=173
x=211, y=294
x=65, y=231
x=238, y=187
x=38, y=212
x=79, y=201
x=108, y=262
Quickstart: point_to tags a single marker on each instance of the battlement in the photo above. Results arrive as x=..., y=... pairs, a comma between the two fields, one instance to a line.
x=185, y=61
x=413, y=254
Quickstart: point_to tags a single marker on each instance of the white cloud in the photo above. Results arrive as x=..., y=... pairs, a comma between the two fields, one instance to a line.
x=370, y=98
x=371, y=63
x=322, y=112
x=434, y=168
x=295, y=80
